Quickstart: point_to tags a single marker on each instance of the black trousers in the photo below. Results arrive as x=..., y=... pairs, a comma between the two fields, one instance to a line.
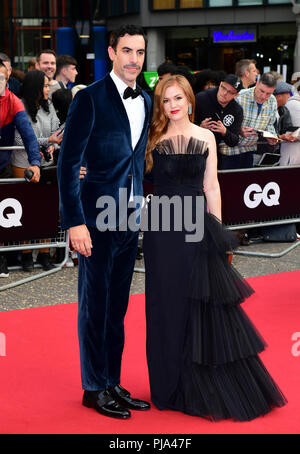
x=6, y=172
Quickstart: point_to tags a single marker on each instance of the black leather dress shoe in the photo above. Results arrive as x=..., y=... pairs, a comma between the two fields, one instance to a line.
x=104, y=403
x=122, y=396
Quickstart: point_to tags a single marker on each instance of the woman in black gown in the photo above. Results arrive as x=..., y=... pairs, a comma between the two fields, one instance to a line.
x=202, y=350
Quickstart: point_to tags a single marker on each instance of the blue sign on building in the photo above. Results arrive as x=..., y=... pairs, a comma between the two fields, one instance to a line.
x=220, y=36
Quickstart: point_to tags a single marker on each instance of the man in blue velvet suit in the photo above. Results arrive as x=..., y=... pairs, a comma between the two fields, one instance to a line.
x=107, y=130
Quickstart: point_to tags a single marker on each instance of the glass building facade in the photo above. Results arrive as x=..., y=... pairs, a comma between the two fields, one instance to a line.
x=64, y=26
x=195, y=33
x=184, y=4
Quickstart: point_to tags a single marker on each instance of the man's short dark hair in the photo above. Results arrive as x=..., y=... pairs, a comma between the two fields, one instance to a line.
x=4, y=57
x=126, y=30
x=63, y=61
x=186, y=72
x=166, y=68
x=45, y=51
x=268, y=79
x=61, y=100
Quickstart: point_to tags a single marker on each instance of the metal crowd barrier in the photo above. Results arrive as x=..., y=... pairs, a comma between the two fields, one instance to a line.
x=34, y=208
x=61, y=241
x=236, y=215
x=256, y=197
x=260, y=197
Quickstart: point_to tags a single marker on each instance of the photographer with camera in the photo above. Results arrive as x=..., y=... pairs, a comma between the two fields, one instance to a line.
x=45, y=123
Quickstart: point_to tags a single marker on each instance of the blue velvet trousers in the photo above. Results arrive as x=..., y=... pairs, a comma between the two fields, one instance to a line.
x=104, y=281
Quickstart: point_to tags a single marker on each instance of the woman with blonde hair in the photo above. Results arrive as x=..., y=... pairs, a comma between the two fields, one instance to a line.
x=202, y=350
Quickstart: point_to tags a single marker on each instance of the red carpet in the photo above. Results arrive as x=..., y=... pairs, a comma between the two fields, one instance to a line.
x=40, y=376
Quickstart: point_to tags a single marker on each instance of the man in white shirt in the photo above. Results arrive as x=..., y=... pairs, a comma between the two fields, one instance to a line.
x=107, y=128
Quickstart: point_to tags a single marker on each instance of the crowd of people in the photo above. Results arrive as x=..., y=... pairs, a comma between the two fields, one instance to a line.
x=34, y=107
x=202, y=351
x=237, y=108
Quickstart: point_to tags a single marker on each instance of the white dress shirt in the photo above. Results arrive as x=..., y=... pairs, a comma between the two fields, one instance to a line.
x=135, y=109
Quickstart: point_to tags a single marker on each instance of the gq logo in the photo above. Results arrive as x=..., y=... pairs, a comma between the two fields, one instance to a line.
x=254, y=195
x=10, y=219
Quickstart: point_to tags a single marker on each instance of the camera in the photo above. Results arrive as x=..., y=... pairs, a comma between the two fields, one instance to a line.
x=46, y=154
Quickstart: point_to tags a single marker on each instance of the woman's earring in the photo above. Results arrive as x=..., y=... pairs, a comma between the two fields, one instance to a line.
x=190, y=110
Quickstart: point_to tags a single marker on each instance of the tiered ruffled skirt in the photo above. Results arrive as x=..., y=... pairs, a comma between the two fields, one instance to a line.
x=202, y=349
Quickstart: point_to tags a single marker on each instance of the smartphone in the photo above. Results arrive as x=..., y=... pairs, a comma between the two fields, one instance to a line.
x=216, y=117
x=61, y=129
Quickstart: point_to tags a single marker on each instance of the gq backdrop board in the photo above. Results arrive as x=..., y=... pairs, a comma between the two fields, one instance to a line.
x=28, y=210
x=31, y=211
x=260, y=195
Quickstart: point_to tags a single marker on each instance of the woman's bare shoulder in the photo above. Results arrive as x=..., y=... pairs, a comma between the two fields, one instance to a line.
x=203, y=133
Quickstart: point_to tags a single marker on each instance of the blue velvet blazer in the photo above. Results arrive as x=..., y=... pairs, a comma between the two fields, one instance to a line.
x=97, y=134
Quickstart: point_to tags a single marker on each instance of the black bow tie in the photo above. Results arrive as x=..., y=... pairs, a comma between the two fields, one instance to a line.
x=130, y=92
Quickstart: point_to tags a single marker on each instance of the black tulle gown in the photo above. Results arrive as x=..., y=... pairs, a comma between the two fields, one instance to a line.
x=202, y=349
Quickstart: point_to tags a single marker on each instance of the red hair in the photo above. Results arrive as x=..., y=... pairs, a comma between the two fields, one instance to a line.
x=160, y=121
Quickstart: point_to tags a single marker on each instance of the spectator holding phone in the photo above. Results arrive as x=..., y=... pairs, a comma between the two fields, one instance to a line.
x=259, y=107
x=288, y=107
x=42, y=115
x=45, y=123
x=217, y=110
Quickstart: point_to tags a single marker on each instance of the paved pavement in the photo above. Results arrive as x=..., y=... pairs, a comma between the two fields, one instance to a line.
x=61, y=287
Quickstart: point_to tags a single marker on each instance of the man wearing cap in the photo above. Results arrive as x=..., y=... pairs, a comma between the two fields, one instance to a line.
x=217, y=110
x=259, y=107
x=288, y=120
x=284, y=122
x=295, y=81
